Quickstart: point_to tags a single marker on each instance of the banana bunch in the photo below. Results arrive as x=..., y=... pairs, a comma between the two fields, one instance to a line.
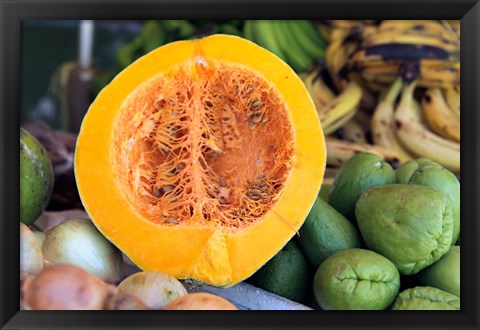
x=415, y=135
x=429, y=128
x=297, y=42
x=399, y=81
x=334, y=110
x=383, y=123
x=440, y=116
x=381, y=55
x=373, y=53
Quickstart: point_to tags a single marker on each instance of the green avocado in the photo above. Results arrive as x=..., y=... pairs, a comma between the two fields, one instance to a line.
x=324, y=232
x=356, y=279
x=426, y=298
x=287, y=274
x=36, y=178
x=445, y=273
x=428, y=173
x=359, y=173
x=409, y=224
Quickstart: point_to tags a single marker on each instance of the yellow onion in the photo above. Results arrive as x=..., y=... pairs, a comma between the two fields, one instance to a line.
x=66, y=287
x=154, y=288
x=31, y=259
x=78, y=242
x=200, y=301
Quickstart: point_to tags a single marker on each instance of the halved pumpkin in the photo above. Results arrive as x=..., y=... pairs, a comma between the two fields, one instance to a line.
x=201, y=159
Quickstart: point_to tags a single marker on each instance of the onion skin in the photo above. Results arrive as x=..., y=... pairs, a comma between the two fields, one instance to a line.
x=66, y=287
x=200, y=301
x=125, y=302
x=31, y=258
x=40, y=235
x=154, y=288
x=78, y=242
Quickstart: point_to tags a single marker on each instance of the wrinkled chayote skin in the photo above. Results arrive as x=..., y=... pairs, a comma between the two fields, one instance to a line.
x=428, y=173
x=359, y=173
x=409, y=224
x=36, y=178
x=445, y=273
x=356, y=279
x=426, y=298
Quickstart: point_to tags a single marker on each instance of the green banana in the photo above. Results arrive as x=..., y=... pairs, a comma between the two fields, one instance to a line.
x=296, y=58
x=297, y=32
x=312, y=32
x=265, y=36
x=248, y=32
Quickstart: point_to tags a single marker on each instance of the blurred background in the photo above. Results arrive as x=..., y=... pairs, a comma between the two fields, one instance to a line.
x=85, y=56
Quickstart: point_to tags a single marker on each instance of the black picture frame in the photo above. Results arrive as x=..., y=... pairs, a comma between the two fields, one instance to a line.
x=14, y=11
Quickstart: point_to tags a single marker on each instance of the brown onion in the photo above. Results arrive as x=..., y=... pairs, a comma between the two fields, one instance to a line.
x=66, y=287
x=200, y=301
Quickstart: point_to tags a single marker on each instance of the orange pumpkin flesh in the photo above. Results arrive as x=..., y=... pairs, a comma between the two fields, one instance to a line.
x=201, y=159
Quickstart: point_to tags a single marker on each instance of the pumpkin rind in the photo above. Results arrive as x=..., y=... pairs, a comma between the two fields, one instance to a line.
x=207, y=254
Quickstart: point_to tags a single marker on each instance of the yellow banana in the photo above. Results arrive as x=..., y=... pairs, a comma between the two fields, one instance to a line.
x=319, y=91
x=385, y=74
x=338, y=122
x=413, y=38
x=453, y=30
x=339, y=151
x=345, y=104
x=418, y=139
x=430, y=27
x=382, y=124
x=432, y=73
x=440, y=118
x=452, y=96
x=455, y=25
x=438, y=73
x=336, y=58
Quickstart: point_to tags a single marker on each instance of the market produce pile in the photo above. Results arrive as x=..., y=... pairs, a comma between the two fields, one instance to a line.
x=383, y=231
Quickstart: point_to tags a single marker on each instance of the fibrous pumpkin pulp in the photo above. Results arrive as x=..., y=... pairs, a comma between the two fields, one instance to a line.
x=201, y=159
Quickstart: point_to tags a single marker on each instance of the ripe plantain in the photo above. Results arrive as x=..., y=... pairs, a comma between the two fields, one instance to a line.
x=382, y=124
x=418, y=139
x=441, y=119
